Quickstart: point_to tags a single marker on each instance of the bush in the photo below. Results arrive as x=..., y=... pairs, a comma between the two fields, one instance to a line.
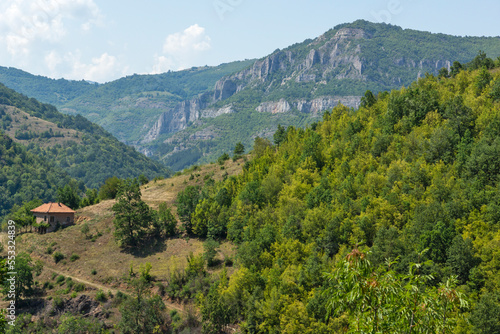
x=74, y=257
x=79, y=287
x=100, y=296
x=93, y=272
x=49, y=250
x=60, y=279
x=58, y=256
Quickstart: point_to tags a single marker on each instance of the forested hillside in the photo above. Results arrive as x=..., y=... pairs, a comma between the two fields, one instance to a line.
x=398, y=202
x=25, y=176
x=84, y=150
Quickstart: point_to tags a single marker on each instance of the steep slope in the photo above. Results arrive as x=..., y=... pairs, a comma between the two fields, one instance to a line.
x=413, y=176
x=307, y=78
x=26, y=176
x=84, y=150
x=127, y=107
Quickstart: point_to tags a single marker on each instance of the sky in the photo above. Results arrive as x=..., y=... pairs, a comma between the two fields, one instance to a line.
x=103, y=40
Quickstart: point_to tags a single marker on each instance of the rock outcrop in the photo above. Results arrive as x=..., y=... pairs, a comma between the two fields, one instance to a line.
x=324, y=62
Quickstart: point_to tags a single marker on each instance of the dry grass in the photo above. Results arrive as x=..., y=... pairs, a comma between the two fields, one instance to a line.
x=105, y=256
x=38, y=126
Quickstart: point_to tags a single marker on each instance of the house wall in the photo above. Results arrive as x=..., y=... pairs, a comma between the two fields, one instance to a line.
x=62, y=218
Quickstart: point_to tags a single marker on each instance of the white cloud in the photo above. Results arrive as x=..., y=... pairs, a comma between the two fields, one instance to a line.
x=182, y=49
x=100, y=69
x=191, y=39
x=26, y=22
x=52, y=60
x=162, y=64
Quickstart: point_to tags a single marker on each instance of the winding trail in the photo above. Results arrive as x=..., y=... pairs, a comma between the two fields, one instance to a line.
x=114, y=291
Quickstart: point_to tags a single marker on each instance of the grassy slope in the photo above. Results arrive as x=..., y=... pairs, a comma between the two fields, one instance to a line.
x=22, y=120
x=104, y=255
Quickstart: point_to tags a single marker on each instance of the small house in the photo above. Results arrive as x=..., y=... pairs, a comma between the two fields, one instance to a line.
x=50, y=216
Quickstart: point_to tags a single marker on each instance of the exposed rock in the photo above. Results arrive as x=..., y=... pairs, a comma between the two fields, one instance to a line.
x=211, y=113
x=280, y=106
x=319, y=105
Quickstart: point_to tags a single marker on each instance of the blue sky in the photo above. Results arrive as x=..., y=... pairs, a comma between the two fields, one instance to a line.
x=102, y=40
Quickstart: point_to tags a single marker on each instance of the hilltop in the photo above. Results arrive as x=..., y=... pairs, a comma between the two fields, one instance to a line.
x=193, y=116
x=82, y=149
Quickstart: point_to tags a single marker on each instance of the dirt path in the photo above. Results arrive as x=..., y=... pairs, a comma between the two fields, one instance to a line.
x=104, y=288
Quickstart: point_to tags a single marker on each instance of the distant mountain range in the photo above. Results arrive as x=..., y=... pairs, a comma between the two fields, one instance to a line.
x=192, y=116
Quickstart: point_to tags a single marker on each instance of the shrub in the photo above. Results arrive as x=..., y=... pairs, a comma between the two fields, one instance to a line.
x=49, y=250
x=79, y=287
x=58, y=256
x=93, y=272
x=60, y=279
x=74, y=257
x=100, y=296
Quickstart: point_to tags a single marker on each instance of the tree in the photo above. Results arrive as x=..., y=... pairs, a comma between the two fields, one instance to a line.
x=210, y=251
x=110, y=188
x=69, y=196
x=239, y=149
x=215, y=312
x=455, y=68
x=23, y=216
x=486, y=315
x=132, y=215
x=23, y=266
x=260, y=145
x=186, y=202
x=143, y=179
x=368, y=100
x=165, y=224
x=280, y=135
x=482, y=80
x=142, y=313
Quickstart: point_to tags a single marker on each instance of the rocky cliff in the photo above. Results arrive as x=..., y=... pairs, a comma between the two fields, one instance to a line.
x=316, y=75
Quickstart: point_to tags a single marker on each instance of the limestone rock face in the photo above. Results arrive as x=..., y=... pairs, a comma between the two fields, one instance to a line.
x=278, y=107
x=312, y=70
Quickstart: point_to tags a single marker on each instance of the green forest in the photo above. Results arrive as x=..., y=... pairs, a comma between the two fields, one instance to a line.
x=96, y=157
x=382, y=219
x=26, y=176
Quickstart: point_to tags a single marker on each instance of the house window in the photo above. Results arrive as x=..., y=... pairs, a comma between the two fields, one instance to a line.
x=45, y=218
x=67, y=219
x=51, y=219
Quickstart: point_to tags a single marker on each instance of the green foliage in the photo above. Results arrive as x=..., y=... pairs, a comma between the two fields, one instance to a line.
x=239, y=149
x=100, y=296
x=74, y=324
x=414, y=176
x=74, y=257
x=186, y=202
x=26, y=177
x=223, y=158
x=165, y=224
x=379, y=300
x=58, y=256
x=110, y=188
x=69, y=196
x=133, y=217
x=210, y=252
x=142, y=313
x=22, y=280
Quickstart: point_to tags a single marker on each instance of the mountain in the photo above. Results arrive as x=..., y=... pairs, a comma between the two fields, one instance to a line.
x=82, y=149
x=303, y=80
x=193, y=116
x=127, y=107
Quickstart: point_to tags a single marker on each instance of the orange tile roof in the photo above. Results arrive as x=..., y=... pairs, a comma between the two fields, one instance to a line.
x=53, y=208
